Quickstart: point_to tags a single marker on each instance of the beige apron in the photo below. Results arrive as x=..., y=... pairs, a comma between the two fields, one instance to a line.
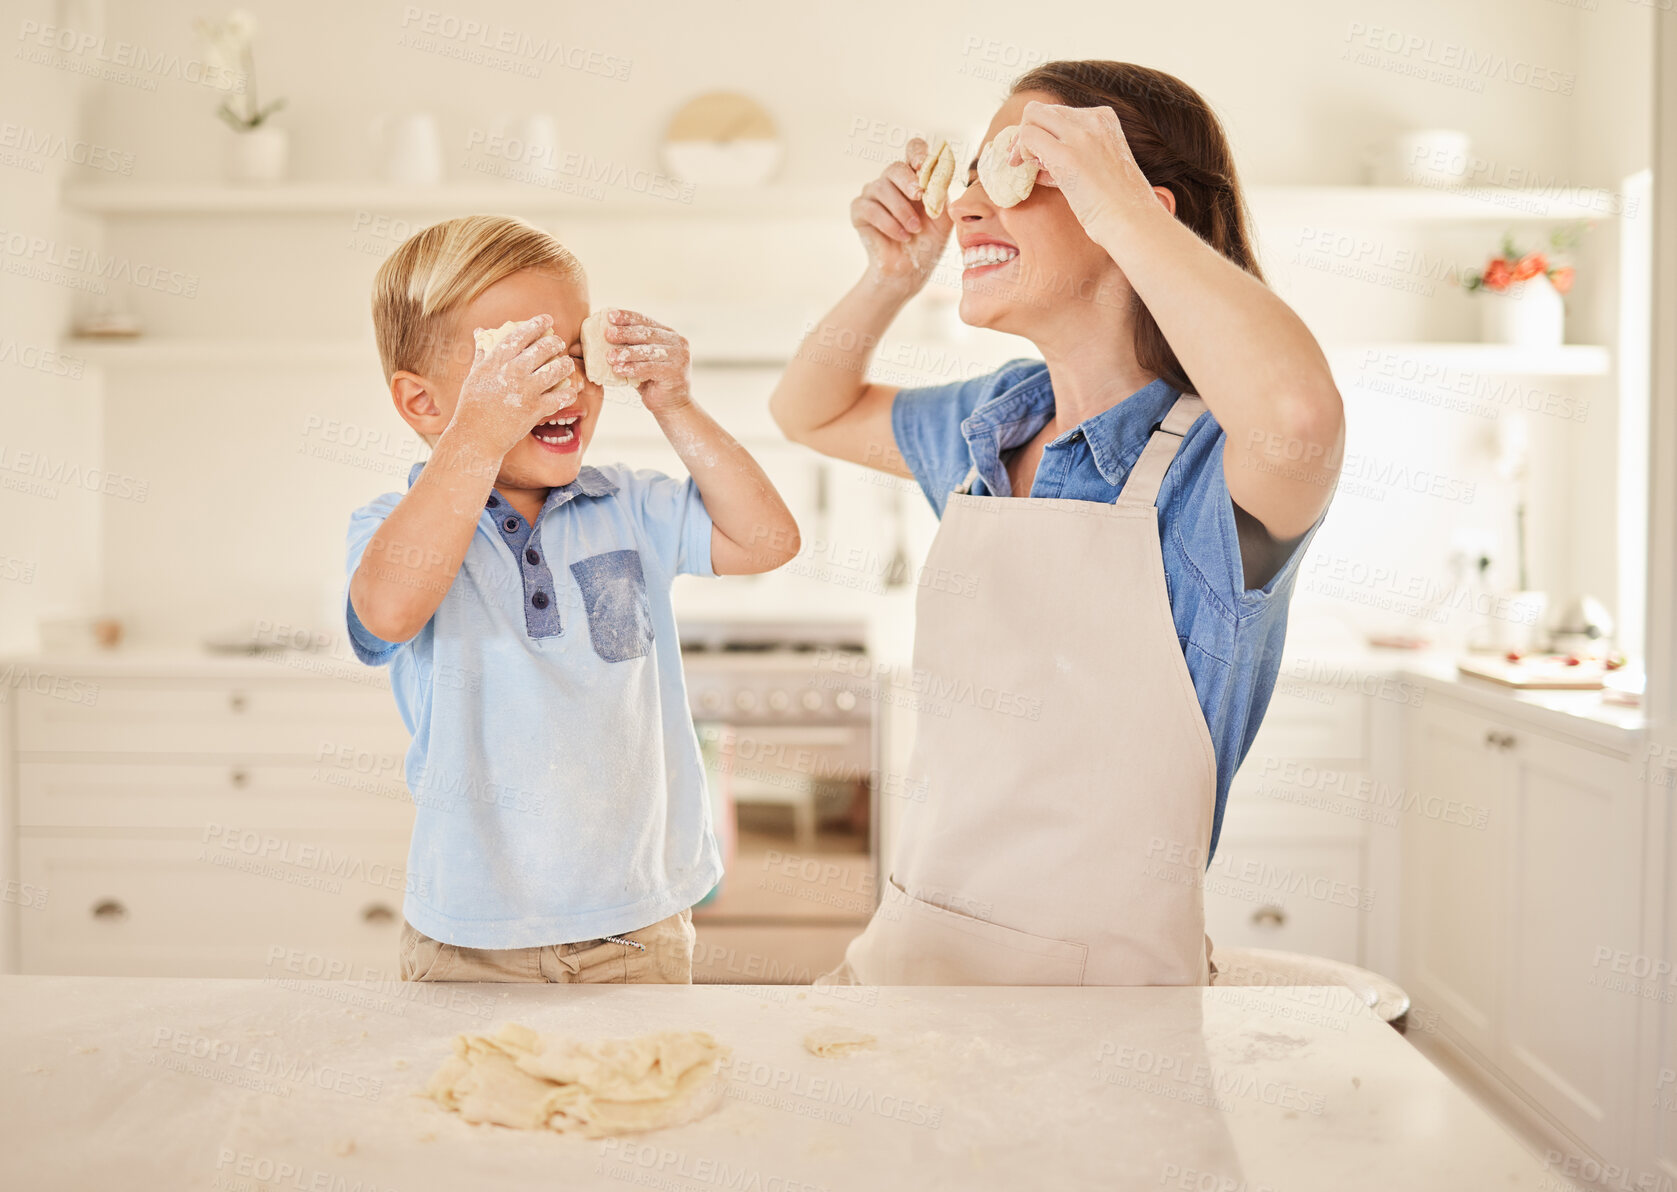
x=1069, y=778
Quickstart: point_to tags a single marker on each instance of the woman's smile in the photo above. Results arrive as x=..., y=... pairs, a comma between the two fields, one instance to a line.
x=985, y=254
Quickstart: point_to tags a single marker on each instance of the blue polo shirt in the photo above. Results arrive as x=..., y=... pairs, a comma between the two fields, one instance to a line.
x=1231, y=635
x=559, y=789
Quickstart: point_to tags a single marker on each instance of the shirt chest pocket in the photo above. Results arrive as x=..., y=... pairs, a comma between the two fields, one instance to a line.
x=614, y=594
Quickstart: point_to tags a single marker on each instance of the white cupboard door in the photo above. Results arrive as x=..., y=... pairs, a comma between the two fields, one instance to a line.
x=1454, y=924
x=1304, y=896
x=277, y=905
x=1657, y=1070
x=1567, y=1031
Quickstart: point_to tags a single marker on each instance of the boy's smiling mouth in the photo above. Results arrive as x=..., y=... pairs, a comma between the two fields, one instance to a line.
x=557, y=434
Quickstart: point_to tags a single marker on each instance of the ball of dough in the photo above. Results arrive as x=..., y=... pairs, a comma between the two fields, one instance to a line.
x=1007, y=185
x=594, y=349
x=487, y=339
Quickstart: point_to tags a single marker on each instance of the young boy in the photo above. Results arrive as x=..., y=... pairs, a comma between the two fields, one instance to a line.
x=522, y=601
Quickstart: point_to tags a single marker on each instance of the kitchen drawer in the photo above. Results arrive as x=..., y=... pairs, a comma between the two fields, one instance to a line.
x=1306, y=897
x=307, y=717
x=177, y=907
x=1312, y=720
x=361, y=793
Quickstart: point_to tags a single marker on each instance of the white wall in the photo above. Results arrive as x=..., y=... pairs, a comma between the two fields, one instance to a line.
x=50, y=439
x=243, y=521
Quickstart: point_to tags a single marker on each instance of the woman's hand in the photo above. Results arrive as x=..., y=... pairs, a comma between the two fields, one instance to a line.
x=651, y=355
x=903, y=242
x=1083, y=153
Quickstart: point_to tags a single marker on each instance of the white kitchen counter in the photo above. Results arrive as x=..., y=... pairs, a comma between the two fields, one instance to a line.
x=1579, y=714
x=178, y=1083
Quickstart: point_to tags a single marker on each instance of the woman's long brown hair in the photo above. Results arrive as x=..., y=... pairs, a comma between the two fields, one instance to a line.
x=1179, y=144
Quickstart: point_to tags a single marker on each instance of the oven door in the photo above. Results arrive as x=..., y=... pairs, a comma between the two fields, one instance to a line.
x=794, y=808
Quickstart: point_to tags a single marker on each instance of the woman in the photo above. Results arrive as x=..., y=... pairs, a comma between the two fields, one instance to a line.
x=1103, y=676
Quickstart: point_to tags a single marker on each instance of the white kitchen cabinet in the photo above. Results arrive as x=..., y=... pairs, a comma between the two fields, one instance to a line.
x=1567, y=1035
x=1292, y=894
x=1521, y=859
x=1290, y=869
x=1453, y=875
x=228, y=823
x=1654, y=1087
x=230, y=906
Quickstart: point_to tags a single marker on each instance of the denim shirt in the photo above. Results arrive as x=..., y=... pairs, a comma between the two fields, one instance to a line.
x=1231, y=635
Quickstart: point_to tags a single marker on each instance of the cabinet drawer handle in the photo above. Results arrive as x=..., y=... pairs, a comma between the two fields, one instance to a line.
x=237, y=701
x=377, y=912
x=240, y=778
x=1499, y=740
x=110, y=910
x=1269, y=918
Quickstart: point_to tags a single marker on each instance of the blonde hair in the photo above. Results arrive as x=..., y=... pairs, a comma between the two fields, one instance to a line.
x=437, y=271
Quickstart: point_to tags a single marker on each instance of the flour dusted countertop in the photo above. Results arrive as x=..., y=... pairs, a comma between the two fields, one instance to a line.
x=184, y=1083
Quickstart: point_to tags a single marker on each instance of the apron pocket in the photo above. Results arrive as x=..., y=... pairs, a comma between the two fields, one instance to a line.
x=920, y=943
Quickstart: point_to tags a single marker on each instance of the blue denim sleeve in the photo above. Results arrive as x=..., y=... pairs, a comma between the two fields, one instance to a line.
x=1206, y=529
x=927, y=426
x=673, y=520
x=363, y=524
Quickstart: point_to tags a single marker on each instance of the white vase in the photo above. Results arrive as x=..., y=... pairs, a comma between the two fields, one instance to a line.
x=1530, y=314
x=409, y=148
x=257, y=156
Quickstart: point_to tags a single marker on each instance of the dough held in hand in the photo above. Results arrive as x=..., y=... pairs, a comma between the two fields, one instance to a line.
x=836, y=1040
x=594, y=349
x=487, y=339
x=520, y=1079
x=1007, y=186
x=936, y=172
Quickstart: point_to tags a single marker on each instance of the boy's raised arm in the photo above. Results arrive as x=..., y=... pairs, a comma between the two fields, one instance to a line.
x=753, y=531
x=412, y=560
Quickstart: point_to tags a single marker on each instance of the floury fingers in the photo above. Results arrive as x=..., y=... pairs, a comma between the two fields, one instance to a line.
x=594, y=349
x=936, y=172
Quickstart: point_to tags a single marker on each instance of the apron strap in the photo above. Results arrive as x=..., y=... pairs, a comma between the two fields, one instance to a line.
x=965, y=486
x=1141, y=486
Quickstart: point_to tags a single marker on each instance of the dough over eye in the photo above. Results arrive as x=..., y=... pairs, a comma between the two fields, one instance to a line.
x=594, y=349
x=1007, y=185
x=936, y=172
x=487, y=339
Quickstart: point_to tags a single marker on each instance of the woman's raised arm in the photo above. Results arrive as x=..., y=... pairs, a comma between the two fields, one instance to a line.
x=824, y=399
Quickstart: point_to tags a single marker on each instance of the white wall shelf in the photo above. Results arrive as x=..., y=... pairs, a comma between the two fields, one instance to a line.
x=1567, y=360
x=178, y=352
x=1428, y=204
x=334, y=198
x=1340, y=203
x=1564, y=360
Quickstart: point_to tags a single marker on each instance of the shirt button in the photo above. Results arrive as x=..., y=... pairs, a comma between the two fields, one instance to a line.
x=493, y=500
x=533, y=557
x=539, y=600
x=510, y=525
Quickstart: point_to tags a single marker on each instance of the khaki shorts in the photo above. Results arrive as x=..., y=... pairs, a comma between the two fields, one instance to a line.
x=665, y=957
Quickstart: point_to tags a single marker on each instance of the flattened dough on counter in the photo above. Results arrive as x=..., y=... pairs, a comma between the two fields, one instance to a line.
x=837, y=1040
x=520, y=1079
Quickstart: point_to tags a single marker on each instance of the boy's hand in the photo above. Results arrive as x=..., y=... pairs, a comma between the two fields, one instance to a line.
x=523, y=380
x=651, y=355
